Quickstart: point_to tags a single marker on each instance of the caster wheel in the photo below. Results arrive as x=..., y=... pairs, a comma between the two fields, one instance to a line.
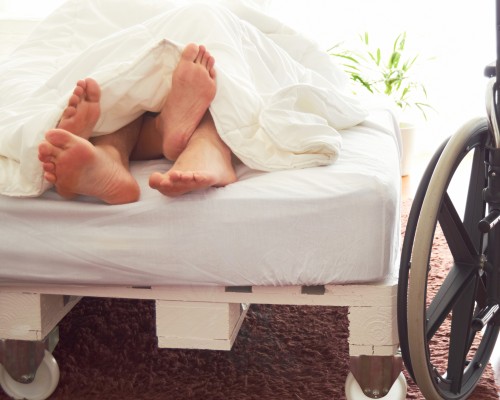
x=44, y=384
x=354, y=392
x=443, y=351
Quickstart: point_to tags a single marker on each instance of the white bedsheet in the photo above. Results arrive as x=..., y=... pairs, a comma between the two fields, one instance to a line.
x=332, y=224
x=280, y=101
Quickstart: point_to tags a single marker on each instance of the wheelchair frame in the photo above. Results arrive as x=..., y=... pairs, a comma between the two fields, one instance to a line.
x=470, y=294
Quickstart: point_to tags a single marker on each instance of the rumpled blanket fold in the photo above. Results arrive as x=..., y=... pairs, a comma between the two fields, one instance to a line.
x=280, y=101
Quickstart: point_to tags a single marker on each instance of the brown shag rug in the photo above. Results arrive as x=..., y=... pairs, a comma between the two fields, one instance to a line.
x=108, y=350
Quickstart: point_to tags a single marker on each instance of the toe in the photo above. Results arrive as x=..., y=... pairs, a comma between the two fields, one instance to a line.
x=190, y=52
x=79, y=90
x=176, y=176
x=82, y=84
x=49, y=177
x=70, y=111
x=46, y=152
x=43, y=149
x=155, y=180
x=74, y=100
x=199, y=178
x=210, y=63
x=201, y=55
x=58, y=138
x=93, y=92
x=206, y=59
x=212, y=73
x=49, y=167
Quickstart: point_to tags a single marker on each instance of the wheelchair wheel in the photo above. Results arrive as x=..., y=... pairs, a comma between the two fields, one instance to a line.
x=447, y=354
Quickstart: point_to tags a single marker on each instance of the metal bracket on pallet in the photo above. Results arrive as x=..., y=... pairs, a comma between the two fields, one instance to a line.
x=376, y=374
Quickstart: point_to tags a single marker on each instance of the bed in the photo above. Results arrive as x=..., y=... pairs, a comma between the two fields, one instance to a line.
x=325, y=235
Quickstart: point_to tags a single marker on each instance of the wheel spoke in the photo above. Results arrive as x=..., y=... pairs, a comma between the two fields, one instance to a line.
x=475, y=206
x=482, y=292
x=460, y=336
x=458, y=278
x=457, y=237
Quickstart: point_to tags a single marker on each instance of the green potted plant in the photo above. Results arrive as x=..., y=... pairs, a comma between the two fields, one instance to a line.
x=390, y=76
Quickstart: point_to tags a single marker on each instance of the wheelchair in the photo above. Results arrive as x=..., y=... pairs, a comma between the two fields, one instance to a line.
x=460, y=318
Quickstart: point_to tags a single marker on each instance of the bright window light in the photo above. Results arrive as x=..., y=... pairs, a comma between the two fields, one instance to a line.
x=459, y=36
x=28, y=8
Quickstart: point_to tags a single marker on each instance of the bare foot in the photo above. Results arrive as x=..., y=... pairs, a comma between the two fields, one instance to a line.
x=205, y=162
x=76, y=167
x=175, y=183
x=83, y=109
x=193, y=89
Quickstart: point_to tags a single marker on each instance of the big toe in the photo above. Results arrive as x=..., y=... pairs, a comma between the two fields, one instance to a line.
x=155, y=180
x=59, y=137
x=190, y=52
x=93, y=90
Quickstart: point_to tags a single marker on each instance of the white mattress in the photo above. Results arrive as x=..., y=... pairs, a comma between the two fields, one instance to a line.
x=332, y=224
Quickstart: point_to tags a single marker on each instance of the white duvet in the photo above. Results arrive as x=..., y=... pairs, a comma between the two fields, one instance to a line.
x=280, y=101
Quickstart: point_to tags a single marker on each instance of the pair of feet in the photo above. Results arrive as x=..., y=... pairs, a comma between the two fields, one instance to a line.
x=78, y=167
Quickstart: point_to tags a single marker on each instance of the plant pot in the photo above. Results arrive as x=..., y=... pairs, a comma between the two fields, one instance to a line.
x=408, y=136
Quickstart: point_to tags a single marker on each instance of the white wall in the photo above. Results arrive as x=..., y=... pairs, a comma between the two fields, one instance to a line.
x=18, y=18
